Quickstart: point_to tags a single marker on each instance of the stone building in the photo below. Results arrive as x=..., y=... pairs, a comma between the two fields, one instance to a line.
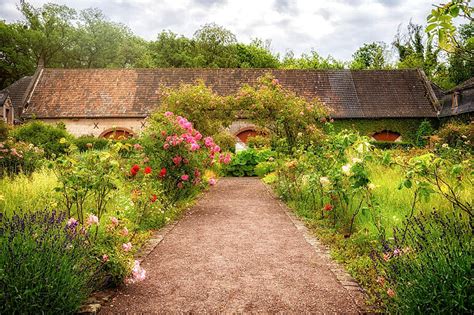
x=11, y=100
x=458, y=102
x=111, y=102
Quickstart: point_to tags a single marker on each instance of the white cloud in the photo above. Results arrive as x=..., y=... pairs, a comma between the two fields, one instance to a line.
x=336, y=27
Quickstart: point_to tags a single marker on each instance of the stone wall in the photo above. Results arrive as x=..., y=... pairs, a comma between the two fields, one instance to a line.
x=97, y=126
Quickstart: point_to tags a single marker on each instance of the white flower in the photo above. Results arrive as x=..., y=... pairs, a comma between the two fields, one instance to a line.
x=324, y=181
x=356, y=160
x=371, y=186
x=346, y=169
x=445, y=145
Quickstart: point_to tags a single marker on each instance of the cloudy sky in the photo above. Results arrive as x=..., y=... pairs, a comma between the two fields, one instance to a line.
x=336, y=27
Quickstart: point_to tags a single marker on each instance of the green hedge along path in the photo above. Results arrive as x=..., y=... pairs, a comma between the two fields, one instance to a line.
x=237, y=251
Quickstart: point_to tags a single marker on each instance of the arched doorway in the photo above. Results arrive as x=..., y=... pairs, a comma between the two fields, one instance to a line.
x=117, y=134
x=386, y=135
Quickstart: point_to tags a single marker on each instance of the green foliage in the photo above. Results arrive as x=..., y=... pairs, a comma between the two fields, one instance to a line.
x=90, y=175
x=39, y=246
x=424, y=131
x=3, y=131
x=407, y=128
x=214, y=45
x=370, y=56
x=84, y=143
x=19, y=157
x=258, y=142
x=257, y=54
x=226, y=141
x=44, y=136
x=284, y=115
x=209, y=112
x=264, y=168
x=310, y=61
x=244, y=162
x=457, y=134
x=428, y=265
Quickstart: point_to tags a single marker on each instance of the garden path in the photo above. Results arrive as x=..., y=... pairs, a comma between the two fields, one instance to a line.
x=236, y=251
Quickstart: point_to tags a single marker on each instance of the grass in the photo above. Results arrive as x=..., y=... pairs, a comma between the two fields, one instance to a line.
x=27, y=193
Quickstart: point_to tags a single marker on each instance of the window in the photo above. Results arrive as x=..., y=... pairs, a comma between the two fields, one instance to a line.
x=386, y=135
x=117, y=134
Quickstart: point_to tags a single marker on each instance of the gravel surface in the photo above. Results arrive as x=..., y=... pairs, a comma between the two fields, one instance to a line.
x=236, y=252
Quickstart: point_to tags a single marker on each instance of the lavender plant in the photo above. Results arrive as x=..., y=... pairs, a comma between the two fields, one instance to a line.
x=45, y=264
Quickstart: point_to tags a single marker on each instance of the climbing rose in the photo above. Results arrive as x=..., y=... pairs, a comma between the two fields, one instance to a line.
x=127, y=246
x=194, y=147
x=134, y=170
x=177, y=160
x=390, y=293
x=163, y=172
x=124, y=231
x=114, y=221
x=328, y=207
x=92, y=220
x=184, y=177
x=212, y=181
x=147, y=170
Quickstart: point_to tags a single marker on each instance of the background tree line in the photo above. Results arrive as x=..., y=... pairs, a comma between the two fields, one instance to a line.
x=59, y=36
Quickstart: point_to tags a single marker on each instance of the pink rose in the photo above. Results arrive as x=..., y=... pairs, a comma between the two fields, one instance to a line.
x=114, y=221
x=92, y=220
x=194, y=146
x=105, y=258
x=168, y=114
x=212, y=181
x=184, y=177
x=127, y=246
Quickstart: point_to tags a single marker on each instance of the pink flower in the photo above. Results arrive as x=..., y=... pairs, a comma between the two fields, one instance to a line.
x=198, y=136
x=224, y=158
x=138, y=273
x=177, y=160
x=396, y=252
x=166, y=146
x=216, y=149
x=125, y=231
x=114, y=221
x=105, y=258
x=180, y=185
x=184, y=177
x=208, y=142
x=194, y=146
x=92, y=220
x=168, y=114
x=127, y=246
x=390, y=293
x=137, y=147
x=212, y=181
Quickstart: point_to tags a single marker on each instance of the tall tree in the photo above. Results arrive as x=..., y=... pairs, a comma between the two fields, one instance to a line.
x=216, y=45
x=370, y=56
x=310, y=61
x=257, y=54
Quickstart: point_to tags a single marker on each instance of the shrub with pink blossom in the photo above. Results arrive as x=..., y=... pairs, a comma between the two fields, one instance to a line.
x=181, y=152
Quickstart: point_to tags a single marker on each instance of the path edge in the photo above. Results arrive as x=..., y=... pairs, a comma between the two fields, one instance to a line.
x=355, y=291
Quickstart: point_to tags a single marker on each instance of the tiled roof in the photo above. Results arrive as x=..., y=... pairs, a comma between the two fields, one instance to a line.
x=17, y=91
x=465, y=100
x=136, y=92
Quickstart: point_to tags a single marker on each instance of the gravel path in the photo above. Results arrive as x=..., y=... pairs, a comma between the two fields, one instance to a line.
x=237, y=251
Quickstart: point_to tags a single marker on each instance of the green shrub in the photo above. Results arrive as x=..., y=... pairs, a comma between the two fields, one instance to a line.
x=226, y=141
x=244, y=162
x=428, y=266
x=3, y=131
x=424, y=131
x=19, y=157
x=391, y=145
x=45, y=265
x=85, y=143
x=258, y=142
x=457, y=134
x=45, y=136
x=263, y=168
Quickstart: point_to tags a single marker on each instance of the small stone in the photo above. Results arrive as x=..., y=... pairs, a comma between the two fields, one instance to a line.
x=89, y=309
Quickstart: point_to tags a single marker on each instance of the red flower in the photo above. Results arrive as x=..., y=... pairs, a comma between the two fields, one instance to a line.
x=163, y=172
x=147, y=170
x=328, y=207
x=134, y=170
x=153, y=198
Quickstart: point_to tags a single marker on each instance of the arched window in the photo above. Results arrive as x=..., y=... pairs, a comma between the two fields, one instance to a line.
x=386, y=135
x=243, y=135
x=117, y=134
